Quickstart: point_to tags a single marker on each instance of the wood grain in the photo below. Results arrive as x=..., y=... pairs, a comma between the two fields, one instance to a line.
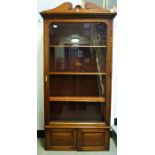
x=83, y=136
x=77, y=139
x=67, y=8
x=76, y=73
x=61, y=139
x=93, y=139
x=77, y=125
x=77, y=99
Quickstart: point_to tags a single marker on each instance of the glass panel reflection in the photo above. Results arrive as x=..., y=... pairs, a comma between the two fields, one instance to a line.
x=77, y=85
x=77, y=59
x=77, y=111
x=78, y=34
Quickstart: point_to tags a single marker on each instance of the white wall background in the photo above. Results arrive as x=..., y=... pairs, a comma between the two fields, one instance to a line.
x=48, y=4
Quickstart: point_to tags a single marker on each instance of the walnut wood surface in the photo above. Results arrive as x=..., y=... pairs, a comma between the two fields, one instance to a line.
x=61, y=139
x=67, y=8
x=77, y=139
x=93, y=139
x=76, y=73
x=76, y=125
x=83, y=136
x=77, y=99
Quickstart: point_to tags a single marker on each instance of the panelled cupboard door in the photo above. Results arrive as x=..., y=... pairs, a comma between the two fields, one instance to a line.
x=61, y=139
x=93, y=139
x=77, y=139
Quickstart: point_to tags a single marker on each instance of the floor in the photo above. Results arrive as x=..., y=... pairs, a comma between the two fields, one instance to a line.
x=41, y=151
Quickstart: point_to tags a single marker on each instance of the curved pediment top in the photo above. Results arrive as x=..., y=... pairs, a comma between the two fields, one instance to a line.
x=61, y=8
x=67, y=8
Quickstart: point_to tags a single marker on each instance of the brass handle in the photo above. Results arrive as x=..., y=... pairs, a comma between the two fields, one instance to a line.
x=46, y=78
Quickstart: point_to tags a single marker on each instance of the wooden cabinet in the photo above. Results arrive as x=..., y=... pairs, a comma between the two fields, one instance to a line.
x=77, y=75
x=61, y=139
x=93, y=139
x=77, y=139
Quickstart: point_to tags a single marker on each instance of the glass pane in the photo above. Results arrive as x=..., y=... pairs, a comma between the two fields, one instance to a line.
x=73, y=34
x=77, y=85
x=77, y=111
x=77, y=59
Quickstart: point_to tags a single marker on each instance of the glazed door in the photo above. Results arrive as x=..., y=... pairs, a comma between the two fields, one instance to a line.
x=77, y=71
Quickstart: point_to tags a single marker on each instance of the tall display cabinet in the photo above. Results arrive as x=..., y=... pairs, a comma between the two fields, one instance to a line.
x=77, y=77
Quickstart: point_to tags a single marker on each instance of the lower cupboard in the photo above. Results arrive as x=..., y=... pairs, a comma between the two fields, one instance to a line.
x=77, y=139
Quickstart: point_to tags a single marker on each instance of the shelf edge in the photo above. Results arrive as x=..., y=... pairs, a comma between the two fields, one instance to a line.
x=78, y=99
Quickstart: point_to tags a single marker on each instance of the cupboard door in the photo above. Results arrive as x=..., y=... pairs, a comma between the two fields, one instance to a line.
x=93, y=139
x=61, y=139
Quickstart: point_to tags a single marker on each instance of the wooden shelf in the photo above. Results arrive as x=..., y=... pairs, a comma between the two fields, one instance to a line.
x=76, y=73
x=104, y=46
x=76, y=125
x=77, y=99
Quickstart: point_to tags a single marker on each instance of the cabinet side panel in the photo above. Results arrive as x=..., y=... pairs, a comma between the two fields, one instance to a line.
x=46, y=45
x=108, y=74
